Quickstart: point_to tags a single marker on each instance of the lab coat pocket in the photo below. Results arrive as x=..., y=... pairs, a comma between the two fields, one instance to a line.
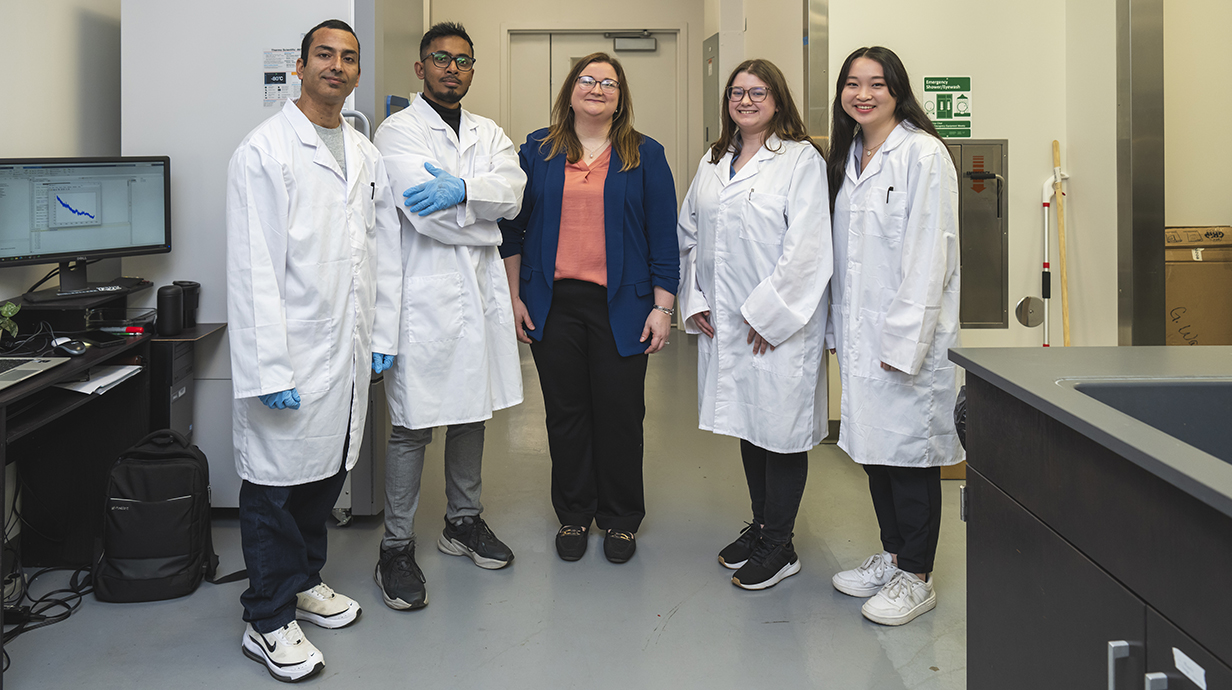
x=433, y=310
x=785, y=360
x=311, y=344
x=764, y=218
x=868, y=345
x=889, y=207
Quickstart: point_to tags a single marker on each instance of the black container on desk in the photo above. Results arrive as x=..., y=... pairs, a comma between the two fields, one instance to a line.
x=192, y=299
x=170, y=310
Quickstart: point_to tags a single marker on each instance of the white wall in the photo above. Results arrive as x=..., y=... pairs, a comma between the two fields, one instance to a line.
x=1197, y=100
x=1089, y=156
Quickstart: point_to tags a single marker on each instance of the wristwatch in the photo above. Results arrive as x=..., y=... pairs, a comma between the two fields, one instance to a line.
x=666, y=310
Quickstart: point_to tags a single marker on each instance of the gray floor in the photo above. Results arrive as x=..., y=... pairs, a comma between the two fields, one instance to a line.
x=670, y=618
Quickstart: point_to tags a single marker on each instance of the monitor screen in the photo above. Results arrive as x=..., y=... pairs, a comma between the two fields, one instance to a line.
x=57, y=210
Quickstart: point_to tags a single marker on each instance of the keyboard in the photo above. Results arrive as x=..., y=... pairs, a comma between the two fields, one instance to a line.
x=94, y=290
x=12, y=363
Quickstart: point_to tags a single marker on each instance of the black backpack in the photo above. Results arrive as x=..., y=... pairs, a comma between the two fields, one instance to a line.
x=157, y=542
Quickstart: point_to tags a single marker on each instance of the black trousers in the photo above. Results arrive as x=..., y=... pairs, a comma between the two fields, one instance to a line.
x=776, y=485
x=595, y=403
x=908, y=505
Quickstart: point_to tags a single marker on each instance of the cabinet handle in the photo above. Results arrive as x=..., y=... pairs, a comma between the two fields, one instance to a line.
x=1117, y=649
x=1156, y=681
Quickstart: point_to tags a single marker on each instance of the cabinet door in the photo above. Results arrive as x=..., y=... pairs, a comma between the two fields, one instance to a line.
x=1039, y=613
x=1189, y=666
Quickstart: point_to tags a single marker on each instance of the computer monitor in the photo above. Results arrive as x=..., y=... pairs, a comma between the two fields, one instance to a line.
x=74, y=210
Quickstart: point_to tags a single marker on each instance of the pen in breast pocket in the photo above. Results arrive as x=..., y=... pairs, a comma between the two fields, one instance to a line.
x=888, y=194
x=373, y=189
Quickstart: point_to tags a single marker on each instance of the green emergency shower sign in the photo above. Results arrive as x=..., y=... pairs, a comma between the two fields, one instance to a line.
x=947, y=100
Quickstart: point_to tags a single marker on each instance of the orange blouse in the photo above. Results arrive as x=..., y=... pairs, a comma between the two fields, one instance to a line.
x=581, y=253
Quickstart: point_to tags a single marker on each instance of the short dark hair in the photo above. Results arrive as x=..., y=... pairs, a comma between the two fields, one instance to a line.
x=327, y=24
x=442, y=30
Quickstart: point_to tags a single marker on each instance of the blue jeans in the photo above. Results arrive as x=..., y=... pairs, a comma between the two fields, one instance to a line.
x=283, y=535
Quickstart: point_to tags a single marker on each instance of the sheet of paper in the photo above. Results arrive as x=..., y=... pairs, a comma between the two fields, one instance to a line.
x=102, y=379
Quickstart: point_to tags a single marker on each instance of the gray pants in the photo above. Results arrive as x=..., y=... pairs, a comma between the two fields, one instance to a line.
x=404, y=461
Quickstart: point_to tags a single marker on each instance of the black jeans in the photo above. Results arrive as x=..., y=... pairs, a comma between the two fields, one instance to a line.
x=595, y=403
x=283, y=535
x=776, y=486
x=908, y=505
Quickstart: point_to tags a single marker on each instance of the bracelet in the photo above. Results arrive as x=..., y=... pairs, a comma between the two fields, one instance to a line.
x=666, y=310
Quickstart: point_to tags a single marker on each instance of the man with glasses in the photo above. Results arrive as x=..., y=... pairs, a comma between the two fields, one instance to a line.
x=459, y=357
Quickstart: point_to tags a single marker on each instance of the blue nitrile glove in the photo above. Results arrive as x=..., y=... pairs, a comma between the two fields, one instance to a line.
x=434, y=195
x=281, y=401
x=381, y=362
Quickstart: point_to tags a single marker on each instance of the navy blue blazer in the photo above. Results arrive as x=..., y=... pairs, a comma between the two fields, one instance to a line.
x=639, y=220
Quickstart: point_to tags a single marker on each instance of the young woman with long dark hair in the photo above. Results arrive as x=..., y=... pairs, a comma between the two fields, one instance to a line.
x=894, y=313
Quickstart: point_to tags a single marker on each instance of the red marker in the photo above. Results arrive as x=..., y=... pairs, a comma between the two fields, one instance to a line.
x=124, y=330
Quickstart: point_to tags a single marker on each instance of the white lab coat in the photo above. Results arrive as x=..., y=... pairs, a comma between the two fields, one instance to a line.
x=458, y=355
x=895, y=300
x=756, y=248
x=310, y=294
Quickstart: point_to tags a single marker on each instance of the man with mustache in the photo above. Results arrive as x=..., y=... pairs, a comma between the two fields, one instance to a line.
x=312, y=307
x=459, y=357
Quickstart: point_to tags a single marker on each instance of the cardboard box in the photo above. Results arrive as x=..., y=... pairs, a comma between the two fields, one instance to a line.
x=1198, y=284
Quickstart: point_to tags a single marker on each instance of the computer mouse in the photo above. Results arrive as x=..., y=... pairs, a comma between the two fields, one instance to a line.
x=68, y=346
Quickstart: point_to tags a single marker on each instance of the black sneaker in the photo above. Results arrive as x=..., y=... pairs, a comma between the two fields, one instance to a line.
x=473, y=538
x=400, y=579
x=736, y=553
x=768, y=565
x=619, y=545
x=571, y=542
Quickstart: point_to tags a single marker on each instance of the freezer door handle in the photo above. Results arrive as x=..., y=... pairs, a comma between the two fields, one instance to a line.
x=1156, y=681
x=1117, y=649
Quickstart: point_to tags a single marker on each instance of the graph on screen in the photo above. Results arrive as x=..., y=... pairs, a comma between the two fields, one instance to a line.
x=74, y=205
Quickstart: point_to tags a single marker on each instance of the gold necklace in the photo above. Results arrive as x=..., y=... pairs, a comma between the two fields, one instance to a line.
x=871, y=150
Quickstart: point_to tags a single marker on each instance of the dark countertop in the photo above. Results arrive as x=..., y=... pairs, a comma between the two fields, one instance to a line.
x=1032, y=375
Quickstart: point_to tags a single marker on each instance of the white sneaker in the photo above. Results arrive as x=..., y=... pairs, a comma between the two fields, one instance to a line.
x=326, y=608
x=901, y=601
x=288, y=655
x=869, y=578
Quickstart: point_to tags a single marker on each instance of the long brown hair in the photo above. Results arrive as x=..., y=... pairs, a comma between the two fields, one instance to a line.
x=786, y=122
x=561, y=135
x=843, y=126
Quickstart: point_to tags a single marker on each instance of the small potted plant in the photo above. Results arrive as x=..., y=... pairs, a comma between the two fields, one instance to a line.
x=7, y=325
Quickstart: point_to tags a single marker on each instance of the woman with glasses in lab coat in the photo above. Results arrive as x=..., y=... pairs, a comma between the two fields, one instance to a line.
x=755, y=262
x=894, y=316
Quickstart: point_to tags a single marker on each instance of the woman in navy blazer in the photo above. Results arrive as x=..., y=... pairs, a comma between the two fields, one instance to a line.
x=591, y=338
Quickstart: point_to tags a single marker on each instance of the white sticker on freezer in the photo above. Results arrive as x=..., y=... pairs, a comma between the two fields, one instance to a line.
x=1190, y=668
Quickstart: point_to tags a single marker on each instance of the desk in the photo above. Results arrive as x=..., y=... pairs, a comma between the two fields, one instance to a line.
x=64, y=443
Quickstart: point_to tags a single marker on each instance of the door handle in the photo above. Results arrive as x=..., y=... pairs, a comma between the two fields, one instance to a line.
x=1117, y=649
x=1156, y=681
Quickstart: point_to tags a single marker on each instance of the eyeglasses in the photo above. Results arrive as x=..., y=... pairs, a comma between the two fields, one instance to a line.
x=465, y=63
x=587, y=83
x=757, y=94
